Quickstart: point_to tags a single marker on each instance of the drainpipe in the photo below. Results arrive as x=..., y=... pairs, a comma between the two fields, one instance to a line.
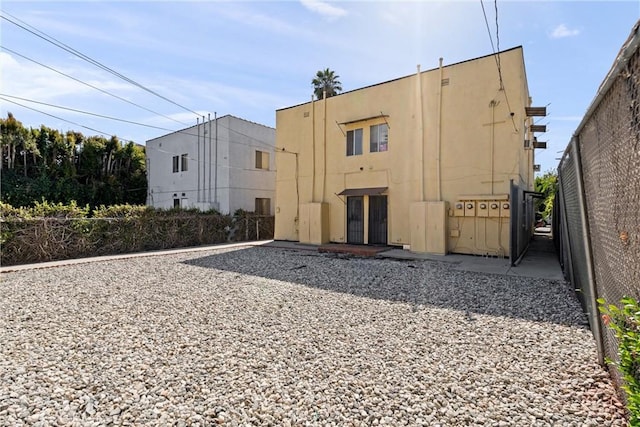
x=313, y=149
x=204, y=162
x=420, y=132
x=209, y=194
x=215, y=165
x=493, y=137
x=439, y=138
x=198, y=143
x=324, y=146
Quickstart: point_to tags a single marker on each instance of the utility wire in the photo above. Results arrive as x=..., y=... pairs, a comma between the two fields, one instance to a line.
x=38, y=33
x=69, y=49
x=90, y=85
x=126, y=140
x=486, y=21
x=496, y=55
x=60, y=118
x=495, y=3
x=183, y=132
x=85, y=112
x=127, y=101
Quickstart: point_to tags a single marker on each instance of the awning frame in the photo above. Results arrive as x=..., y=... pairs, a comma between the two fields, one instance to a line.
x=370, y=191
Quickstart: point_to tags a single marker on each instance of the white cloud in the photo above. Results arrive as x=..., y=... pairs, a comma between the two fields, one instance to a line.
x=324, y=9
x=562, y=31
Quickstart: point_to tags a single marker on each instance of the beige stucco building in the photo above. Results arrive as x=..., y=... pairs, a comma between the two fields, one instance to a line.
x=423, y=162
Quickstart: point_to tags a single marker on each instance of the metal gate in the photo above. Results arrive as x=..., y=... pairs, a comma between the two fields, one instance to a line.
x=355, y=219
x=377, y=220
x=521, y=218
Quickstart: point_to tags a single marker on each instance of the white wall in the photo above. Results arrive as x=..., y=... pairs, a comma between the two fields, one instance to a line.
x=238, y=182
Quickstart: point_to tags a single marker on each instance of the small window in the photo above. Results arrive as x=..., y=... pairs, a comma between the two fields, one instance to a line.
x=263, y=206
x=176, y=164
x=184, y=162
x=354, y=142
x=176, y=203
x=262, y=160
x=379, y=138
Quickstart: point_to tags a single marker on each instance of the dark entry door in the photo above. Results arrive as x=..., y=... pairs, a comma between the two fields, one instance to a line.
x=377, y=220
x=355, y=219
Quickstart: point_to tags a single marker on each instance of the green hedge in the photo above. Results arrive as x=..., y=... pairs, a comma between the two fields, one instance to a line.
x=48, y=232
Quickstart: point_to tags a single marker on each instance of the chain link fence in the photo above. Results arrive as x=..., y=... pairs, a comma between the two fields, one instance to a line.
x=597, y=211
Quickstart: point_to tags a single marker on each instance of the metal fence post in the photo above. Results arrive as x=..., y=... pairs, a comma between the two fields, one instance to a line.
x=586, y=239
x=258, y=228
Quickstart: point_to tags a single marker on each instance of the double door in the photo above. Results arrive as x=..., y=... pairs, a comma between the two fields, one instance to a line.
x=377, y=220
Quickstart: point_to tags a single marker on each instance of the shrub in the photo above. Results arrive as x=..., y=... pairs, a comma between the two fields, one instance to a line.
x=48, y=231
x=625, y=322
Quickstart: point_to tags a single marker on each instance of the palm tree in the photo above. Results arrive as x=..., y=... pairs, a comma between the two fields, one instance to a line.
x=326, y=80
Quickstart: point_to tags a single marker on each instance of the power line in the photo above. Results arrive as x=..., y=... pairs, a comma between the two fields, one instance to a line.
x=84, y=112
x=496, y=55
x=486, y=21
x=38, y=33
x=126, y=140
x=127, y=101
x=89, y=85
x=73, y=51
x=183, y=132
x=495, y=3
x=60, y=118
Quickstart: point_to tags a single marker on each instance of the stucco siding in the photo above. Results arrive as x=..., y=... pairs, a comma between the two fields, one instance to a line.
x=221, y=172
x=453, y=134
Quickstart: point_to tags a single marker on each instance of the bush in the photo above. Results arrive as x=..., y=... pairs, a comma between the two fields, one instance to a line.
x=47, y=232
x=625, y=322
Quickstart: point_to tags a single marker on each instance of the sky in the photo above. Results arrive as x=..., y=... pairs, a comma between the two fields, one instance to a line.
x=250, y=58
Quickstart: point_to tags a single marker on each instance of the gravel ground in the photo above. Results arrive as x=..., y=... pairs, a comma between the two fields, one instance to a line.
x=266, y=336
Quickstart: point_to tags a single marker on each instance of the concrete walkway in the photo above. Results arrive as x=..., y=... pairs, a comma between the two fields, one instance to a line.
x=540, y=261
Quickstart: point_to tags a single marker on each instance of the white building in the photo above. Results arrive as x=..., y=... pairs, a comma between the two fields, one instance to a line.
x=224, y=164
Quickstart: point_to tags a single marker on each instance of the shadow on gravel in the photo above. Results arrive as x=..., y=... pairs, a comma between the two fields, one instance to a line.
x=413, y=282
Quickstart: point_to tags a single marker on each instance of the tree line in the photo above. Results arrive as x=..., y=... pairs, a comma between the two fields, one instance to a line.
x=47, y=164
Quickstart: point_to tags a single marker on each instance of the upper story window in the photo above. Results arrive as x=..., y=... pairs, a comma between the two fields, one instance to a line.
x=262, y=160
x=354, y=142
x=184, y=162
x=180, y=163
x=378, y=138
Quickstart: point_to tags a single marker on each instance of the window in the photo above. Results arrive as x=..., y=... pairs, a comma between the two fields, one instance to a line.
x=379, y=138
x=354, y=142
x=262, y=160
x=184, y=162
x=180, y=163
x=176, y=202
x=263, y=206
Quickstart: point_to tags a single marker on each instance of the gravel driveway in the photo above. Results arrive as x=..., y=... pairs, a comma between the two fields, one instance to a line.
x=267, y=336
